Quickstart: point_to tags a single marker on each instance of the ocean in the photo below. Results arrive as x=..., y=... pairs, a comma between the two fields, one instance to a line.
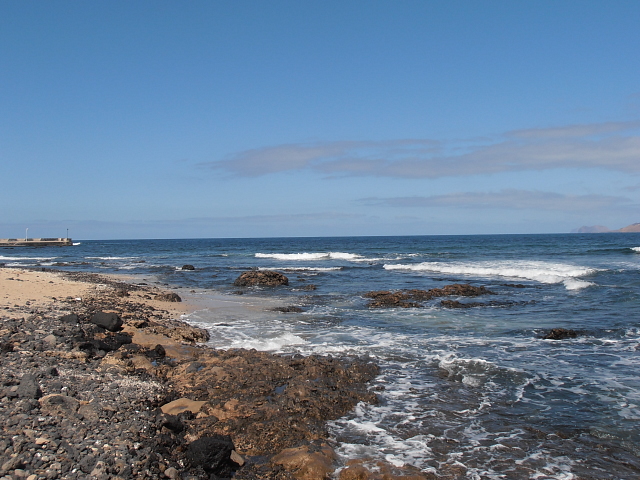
x=469, y=392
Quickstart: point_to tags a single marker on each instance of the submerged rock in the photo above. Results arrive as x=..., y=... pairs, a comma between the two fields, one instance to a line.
x=560, y=334
x=288, y=309
x=412, y=298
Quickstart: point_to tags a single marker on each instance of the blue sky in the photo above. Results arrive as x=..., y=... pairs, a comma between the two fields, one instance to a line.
x=168, y=119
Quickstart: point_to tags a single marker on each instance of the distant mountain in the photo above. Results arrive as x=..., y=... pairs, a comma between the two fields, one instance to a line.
x=594, y=229
x=631, y=228
x=635, y=228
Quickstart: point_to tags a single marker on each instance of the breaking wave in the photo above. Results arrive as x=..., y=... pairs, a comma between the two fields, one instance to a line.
x=311, y=256
x=537, y=271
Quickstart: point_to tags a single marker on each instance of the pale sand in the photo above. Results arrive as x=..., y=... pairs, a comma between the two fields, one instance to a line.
x=37, y=289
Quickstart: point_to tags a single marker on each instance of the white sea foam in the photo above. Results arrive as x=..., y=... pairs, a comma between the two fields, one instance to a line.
x=305, y=269
x=268, y=344
x=17, y=259
x=636, y=249
x=574, y=284
x=542, y=272
x=311, y=256
x=111, y=258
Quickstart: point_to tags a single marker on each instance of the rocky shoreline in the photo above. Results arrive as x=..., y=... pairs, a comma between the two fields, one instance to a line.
x=143, y=398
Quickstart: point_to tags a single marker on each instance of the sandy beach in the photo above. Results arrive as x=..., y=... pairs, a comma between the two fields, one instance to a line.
x=101, y=379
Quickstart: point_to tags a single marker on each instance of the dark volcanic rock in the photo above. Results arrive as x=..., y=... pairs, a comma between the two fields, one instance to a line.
x=213, y=455
x=168, y=297
x=560, y=334
x=412, y=298
x=386, y=299
x=110, y=321
x=28, y=387
x=71, y=318
x=288, y=309
x=188, y=267
x=457, y=304
x=265, y=278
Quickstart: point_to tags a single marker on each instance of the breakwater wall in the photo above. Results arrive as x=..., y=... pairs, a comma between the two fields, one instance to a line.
x=35, y=242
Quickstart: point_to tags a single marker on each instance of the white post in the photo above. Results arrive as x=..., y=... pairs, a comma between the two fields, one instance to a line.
x=26, y=235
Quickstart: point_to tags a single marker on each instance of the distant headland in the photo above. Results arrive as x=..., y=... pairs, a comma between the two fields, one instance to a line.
x=633, y=228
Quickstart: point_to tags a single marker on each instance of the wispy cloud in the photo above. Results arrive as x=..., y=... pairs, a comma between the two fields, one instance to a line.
x=505, y=199
x=613, y=145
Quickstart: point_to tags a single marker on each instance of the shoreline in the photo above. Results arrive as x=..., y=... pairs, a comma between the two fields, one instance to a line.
x=149, y=399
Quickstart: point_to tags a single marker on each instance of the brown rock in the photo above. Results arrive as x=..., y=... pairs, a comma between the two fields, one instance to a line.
x=182, y=405
x=265, y=278
x=560, y=334
x=168, y=297
x=307, y=463
x=412, y=298
x=59, y=405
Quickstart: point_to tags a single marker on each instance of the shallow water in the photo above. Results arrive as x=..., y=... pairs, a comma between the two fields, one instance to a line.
x=478, y=389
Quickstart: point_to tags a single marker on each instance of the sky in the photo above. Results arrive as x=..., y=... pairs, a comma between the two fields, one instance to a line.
x=209, y=119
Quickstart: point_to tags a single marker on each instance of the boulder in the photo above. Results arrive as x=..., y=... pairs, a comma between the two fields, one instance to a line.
x=72, y=319
x=29, y=387
x=213, y=455
x=168, y=297
x=111, y=321
x=59, y=405
x=188, y=267
x=267, y=278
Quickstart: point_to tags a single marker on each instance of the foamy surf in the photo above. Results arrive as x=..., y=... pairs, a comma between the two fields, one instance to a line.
x=538, y=271
x=310, y=256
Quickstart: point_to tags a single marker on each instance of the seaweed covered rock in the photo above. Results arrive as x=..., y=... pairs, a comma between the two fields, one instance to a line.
x=412, y=298
x=560, y=334
x=267, y=278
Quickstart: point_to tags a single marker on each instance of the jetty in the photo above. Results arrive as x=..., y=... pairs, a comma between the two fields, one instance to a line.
x=35, y=242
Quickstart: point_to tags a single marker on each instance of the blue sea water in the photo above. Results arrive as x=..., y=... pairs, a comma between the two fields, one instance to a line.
x=475, y=392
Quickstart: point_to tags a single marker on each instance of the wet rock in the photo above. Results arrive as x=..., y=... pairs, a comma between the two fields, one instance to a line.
x=457, y=304
x=387, y=299
x=168, y=297
x=288, y=309
x=309, y=288
x=267, y=278
x=413, y=298
x=188, y=267
x=111, y=321
x=213, y=455
x=560, y=334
